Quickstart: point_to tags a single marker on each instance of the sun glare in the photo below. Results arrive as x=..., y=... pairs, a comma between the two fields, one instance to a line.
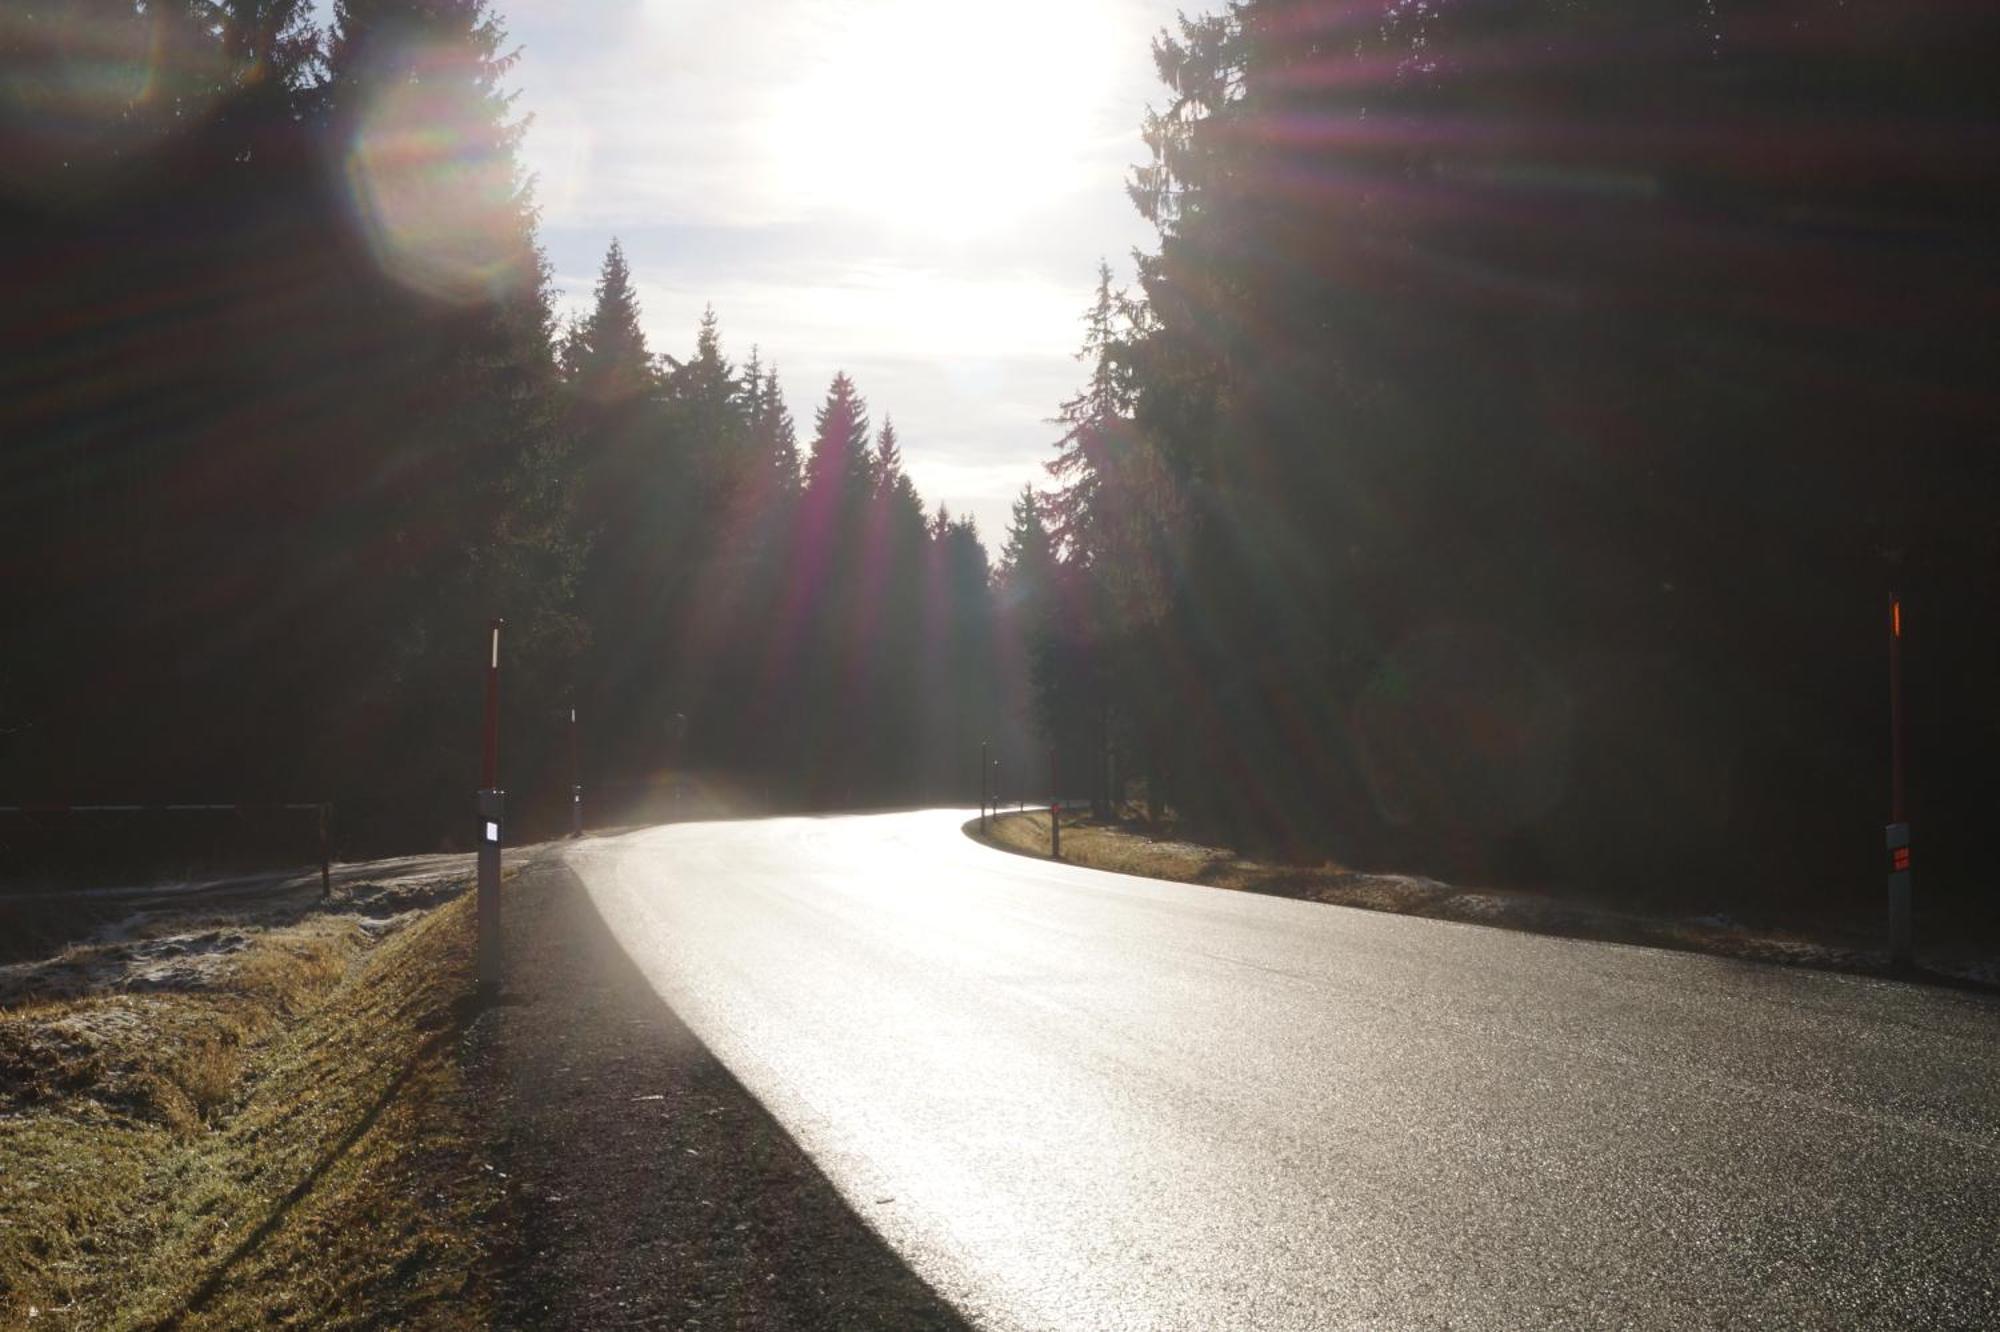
x=943, y=119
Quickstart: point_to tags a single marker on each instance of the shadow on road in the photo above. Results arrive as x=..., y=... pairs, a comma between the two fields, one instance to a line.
x=649, y=1189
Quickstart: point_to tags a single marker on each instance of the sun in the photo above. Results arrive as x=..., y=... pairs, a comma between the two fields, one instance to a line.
x=939, y=117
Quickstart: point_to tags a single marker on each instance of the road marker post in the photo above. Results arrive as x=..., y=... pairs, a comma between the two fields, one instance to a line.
x=492, y=807
x=575, y=782
x=982, y=788
x=1055, y=810
x=1897, y=835
x=1898, y=842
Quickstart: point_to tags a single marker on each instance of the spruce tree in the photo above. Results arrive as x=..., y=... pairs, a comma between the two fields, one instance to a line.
x=776, y=436
x=605, y=354
x=706, y=381
x=1028, y=559
x=1093, y=424
x=903, y=507
x=455, y=416
x=839, y=459
x=888, y=454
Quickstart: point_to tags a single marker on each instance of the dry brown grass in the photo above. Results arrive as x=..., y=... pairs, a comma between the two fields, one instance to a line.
x=288, y=1144
x=1126, y=850
x=1106, y=847
x=207, y=1073
x=294, y=970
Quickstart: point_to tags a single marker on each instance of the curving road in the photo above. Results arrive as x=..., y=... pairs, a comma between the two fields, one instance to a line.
x=1073, y=1099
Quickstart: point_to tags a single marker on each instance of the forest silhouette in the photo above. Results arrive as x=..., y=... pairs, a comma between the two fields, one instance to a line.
x=1500, y=468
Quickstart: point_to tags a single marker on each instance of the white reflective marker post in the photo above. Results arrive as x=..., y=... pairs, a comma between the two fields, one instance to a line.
x=492, y=815
x=575, y=782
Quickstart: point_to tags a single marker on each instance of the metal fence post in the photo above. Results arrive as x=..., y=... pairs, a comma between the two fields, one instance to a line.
x=325, y=853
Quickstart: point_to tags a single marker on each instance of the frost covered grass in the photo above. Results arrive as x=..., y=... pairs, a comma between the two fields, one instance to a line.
x=216, y=1120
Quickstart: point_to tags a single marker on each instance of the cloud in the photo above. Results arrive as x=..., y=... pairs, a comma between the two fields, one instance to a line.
x=913, y=190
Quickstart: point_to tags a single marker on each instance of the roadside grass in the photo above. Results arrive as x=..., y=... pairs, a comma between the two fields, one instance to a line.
x=1109, y=847
x=1126, y=850
x=248, y=1125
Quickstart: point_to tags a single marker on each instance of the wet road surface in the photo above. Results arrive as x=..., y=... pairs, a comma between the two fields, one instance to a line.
x=1073, y=1099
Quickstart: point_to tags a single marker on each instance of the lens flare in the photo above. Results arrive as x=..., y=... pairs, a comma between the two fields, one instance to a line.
x=87, y=93
x=435, y=185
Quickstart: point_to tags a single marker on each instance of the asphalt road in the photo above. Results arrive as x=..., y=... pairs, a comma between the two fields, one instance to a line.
x=1073, y=1099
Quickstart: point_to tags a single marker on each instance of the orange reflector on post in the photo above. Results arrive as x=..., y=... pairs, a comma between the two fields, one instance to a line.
x=1896, y=618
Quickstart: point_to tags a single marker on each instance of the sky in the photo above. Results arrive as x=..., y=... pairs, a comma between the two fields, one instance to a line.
x=915, y=191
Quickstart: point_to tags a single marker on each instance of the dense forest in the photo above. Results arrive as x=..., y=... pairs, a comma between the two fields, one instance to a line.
x=1505, y=462
x=1500, y=468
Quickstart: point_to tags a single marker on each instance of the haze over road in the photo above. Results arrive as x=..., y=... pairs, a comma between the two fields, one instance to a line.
x=1082, y=1100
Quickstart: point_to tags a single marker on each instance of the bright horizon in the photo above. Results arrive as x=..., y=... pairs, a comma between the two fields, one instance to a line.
x=910, y=192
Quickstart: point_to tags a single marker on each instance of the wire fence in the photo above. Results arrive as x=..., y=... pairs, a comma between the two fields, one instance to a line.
x=54, y=845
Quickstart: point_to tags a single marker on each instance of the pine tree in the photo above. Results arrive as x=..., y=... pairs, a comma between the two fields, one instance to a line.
x=777, y=439
x=1028, y=559
x=605, y=354
x=1094, y=425
x=902, y=506
x=706, y=381
x=711, y=415
x=456, y=418
x=839, y=460
x=750, y=389
x=888, y=456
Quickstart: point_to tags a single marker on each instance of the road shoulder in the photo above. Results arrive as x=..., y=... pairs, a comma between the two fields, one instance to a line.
x=646, y=1186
